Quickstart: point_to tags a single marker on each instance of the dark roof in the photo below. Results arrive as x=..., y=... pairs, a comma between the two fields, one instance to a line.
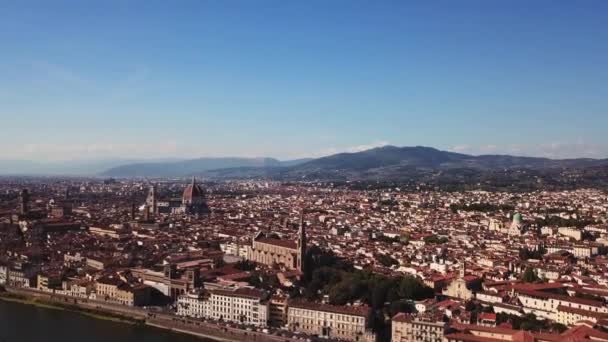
x=240, y=292
x=361, y=310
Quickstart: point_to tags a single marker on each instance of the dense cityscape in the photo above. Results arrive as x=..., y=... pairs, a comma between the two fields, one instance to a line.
x=305, y=260
x=304, y=171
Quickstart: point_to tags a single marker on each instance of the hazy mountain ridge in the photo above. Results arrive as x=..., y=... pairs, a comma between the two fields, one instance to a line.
x=390, y=162
x=67, y=167
x=195, y=166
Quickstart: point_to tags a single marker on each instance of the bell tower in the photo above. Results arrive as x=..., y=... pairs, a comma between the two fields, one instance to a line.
x=24, y=198
x=463, y=270
x=151, y=200
x=301, y=243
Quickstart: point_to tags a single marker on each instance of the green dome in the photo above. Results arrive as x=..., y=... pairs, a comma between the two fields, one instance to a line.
x=517, y=217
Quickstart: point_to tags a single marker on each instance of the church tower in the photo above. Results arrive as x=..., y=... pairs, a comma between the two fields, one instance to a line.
x=301, y=243
x=463, y=270
x=24, y=198
x=151, y=200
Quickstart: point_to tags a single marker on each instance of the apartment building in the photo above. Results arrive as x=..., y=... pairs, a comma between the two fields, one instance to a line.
x=331, y=321
x=193, y=304
x=404, y=328
x=242, y=305
x=548, y=305
x=115, y=290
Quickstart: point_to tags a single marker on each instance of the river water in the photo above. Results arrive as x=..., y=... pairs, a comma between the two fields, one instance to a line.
x=29, y=323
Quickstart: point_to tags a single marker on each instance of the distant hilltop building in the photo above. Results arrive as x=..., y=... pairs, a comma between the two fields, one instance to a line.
x=193, y=201
x=517, y=225
x=514, y=228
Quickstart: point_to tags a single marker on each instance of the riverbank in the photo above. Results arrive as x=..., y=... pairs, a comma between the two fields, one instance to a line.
x=53, y=305
x=21, y=322
x=138, y=316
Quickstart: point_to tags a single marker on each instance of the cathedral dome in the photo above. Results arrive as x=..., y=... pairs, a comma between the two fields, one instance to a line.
x=193, y=193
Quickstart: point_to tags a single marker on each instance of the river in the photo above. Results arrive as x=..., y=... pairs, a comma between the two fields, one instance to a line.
x=29, y=323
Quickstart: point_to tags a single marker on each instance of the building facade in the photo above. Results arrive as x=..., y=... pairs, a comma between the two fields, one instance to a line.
x=407, y=329
x=114, y=290
x=242, y=305
x=459, y=288
x=330, y=321
x=193, y=202
x=273, y=251
x=3, y=274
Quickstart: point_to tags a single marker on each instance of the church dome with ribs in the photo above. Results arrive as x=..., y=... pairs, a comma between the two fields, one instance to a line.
x=193, y=193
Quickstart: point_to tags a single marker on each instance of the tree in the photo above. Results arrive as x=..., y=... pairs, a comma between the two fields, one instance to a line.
x=530, y=276
x=245, y=265
x=218, y=263
x=434, y=239
x=316, y=258
x=398, y=306
x=386, y=260
x=525, y=253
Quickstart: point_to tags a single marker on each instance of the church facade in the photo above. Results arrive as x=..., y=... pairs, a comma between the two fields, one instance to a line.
x=273, y=251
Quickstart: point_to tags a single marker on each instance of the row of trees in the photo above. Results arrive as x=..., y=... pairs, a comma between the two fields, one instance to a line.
x=483, y=207
x=525, y=253
x=529, y=322
x=557, y=221
x=328, y=275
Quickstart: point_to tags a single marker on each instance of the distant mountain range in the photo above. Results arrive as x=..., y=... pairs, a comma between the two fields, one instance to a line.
x=388, y=162
x=382, y=162
x=391, y=162
x=195, y=166
x=68, y=168
x=428, y=157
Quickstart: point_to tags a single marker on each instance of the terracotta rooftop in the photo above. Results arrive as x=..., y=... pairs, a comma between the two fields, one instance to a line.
x=278, y=242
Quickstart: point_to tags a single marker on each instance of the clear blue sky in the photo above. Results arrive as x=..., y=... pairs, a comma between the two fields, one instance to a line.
x=99, y=79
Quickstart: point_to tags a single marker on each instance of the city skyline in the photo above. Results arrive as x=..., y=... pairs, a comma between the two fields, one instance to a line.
x=289, y=171
x=289, y=80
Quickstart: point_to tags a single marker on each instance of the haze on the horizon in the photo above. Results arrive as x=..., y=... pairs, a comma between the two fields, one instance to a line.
x=285, y=79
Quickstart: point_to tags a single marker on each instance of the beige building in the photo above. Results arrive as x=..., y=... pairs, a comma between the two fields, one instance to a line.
x=341, y=322
x=48, y=281
x=459, y=287
x=571, y=232
x=273, y=251
x=3, y=274
x=406, y=329
x=115, y=290
x=559, y=307
x=241, y=305
x=193, y=304
x=569, y=316
x=79, y=288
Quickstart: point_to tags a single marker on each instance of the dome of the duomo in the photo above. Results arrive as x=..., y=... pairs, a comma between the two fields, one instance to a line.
x=193, y=192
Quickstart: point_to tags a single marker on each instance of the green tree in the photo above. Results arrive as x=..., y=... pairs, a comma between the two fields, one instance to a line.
x=530, y=276
x=386, y=260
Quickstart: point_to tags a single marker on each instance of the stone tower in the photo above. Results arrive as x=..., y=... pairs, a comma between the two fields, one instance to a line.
x=301, y=243
x=132, y=214
x=152, y=200
x=24, y=199
x=463, y=270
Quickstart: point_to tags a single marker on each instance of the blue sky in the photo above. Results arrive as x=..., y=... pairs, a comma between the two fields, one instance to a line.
x=150, y=79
